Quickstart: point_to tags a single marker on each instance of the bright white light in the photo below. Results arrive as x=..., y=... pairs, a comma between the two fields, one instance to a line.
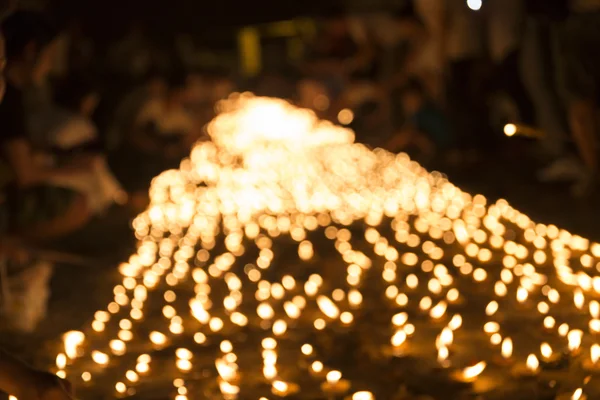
x=474, y=5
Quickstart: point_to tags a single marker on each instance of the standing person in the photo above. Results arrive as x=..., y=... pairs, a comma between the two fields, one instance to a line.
x=464, y=52
x=582, y=82
x=38, y=211
x=541, y=67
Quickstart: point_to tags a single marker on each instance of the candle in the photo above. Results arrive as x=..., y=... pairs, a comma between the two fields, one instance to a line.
x=283, y=389
x=470, y=374
x=592, y=364
x=574, y=338
x=100, y=358
x=529, y=369
x=363, y=395
x=328, y=307
x=74, y=339
x=158, y=338
x=334, y=384
x=228, y=390
x=507, y=349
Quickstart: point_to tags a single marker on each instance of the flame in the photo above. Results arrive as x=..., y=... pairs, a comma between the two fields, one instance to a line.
x=507, y=348
x=532, y=363
x=474, y=371
x=595, y=353
x=328, y=307
x=546, y=350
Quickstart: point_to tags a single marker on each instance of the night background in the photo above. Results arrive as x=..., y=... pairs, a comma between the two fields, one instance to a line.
x=240, y=200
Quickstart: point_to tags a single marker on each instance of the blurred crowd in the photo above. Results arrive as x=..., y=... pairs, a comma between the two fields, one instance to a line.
x=84, y=129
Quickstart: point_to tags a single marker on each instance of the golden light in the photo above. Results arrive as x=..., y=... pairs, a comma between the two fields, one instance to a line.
x=532, y=363
x=546, y=351
x=345, y=116
x=73, y=339
x=363, y=395
x=472, y=372
x=333, y=377
x=158, y=338
x=507, y=348
x=595, y=353
x=273, y=170
x=307, y=349
x=317, y=366
x=328, y=307
x=100, y=358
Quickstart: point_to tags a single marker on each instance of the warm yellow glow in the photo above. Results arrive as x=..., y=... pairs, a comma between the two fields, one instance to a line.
x=595, y=353
x=333, y=377
x=507, y=348
x=532, y=363
x=73, y=339
x=328, y=307
x=100, y=358
x=474, y=371
x=158, y=338
x=364, y=395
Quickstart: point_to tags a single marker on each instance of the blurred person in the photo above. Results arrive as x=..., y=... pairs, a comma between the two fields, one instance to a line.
x=510, y=102
x=155, y=86
x=582, y=83
x=425, y=129
x=38, y=210
x=464, y=57
x=161, y=134
x=74, y=51
x=164, y=125
x=77, y=136
x=337, y=54
x=132, y=55
x=542, y=67
x=26, y=383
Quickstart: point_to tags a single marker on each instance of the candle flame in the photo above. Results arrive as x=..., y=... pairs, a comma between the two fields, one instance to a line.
x=532, y=363
x=474, y=371
x=507, y=348
x=328, y=307
x=595, y=353
x=546, y=350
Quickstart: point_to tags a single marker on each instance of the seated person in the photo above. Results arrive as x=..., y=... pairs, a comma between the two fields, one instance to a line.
x=425, y=128
x=38, y=209
x=164, y=125
x=77, y=138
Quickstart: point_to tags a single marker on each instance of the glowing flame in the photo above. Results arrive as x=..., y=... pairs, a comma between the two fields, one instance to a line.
x=328, y=307
x=546, y=350
x=472, y=372
x=507, y=348
x=595, y=353
x=532, y=363
x=72, y=341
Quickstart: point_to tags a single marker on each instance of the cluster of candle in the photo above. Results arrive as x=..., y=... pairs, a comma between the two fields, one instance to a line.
x=274, y=170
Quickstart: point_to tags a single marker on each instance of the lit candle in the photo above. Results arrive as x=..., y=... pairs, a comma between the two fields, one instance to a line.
x=470, y=374
x=574, y=339
x=334, y=384
x=363, y=395
x=529, y=369
x=100, y=358
x=592, y=364
x=283, y=389
x=507, y=349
